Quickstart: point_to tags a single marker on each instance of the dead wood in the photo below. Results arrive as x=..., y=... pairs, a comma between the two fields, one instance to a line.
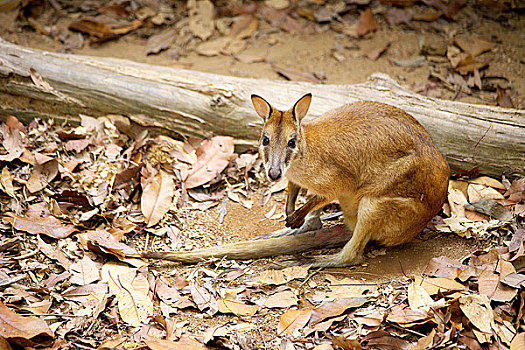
x=199, y=104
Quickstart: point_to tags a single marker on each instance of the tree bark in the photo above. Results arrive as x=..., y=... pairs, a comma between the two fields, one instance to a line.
x=200, y=104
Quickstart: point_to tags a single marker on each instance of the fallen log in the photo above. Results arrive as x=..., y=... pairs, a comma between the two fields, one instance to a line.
x=62, y=86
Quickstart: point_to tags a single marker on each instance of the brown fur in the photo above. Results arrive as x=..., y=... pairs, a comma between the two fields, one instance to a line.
x=377, y=160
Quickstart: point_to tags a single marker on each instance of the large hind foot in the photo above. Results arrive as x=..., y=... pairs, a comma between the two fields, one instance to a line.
x=312, y=222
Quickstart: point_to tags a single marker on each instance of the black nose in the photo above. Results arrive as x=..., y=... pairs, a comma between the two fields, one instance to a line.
x=274, y=174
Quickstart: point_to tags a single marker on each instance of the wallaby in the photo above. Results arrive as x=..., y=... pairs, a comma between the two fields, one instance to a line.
x=375, y=159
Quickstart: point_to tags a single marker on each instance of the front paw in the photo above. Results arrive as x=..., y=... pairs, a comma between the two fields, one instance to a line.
x=294, y=220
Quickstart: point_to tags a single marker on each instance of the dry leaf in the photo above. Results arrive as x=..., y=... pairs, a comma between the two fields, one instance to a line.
x=185, y=342
x=203, y=298
x=385, y=341
x=367, y=23
x=283, y=276
x=488, y=181
x=434, y=285
x=156, y=197
x=104, y=242
x=54, y=253
x=212, y=158
x=377, y=51
x=244, y=27
x=292, y=320
x=24, y=331
x=518, y=343
x=406, y=315
x=489, y=282
x=283, y=299
x=473, y=46
x=84, y=272
x=160, y=41
x=134, y=304
x=478, y=310
x=503, y=98
x=200, y=13
x=418, y=298
x=236, y=307
x=6, y=182
x=49, y=225
x=334, y=308
x=43, y=173
x=373, y=319
x=296, y=75
x=11, y=142
x=395, y=16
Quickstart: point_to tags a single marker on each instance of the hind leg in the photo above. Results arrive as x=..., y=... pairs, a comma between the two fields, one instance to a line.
x=390, y=221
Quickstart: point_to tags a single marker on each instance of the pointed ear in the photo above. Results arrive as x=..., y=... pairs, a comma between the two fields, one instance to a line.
x=262, y=107
x=301, y=107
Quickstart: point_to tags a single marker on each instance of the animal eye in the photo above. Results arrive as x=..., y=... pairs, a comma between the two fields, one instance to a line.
x=265, y=141
x=291, y=143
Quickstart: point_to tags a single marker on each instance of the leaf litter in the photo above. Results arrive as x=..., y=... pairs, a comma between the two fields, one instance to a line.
x=86, y=278
x=124, y=192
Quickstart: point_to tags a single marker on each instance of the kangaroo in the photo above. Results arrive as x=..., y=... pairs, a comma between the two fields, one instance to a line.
x=375, y=159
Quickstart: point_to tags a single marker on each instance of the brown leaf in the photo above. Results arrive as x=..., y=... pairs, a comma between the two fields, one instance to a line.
x=396, y=16
x=473, y=46
x=292, y=320
x=478, y=310
x=503, y=98
x=160, y=41
x=6, y=182
x=518, y=343
x=514, y=280
x=11, y=140
x=489, y=282
x=100, y=31
x=203, y=298
x=13, y=123
x=346, y=344
x=44, y=172
x=296, y=75
x=282, y=299
x=227, y=306
x=49, y=225
x=54, y=253
x=157, y=196
x=134, y=304
x=77, y=145
x=406, y=315
x=200, y=13
x=185, y=342
x=105, y=242
x=334, y=308
x=374, y=53
x=443, y=285
x=213, y=157
x=84, y=272
x=24, y=331
x=384, y=341
x=171, y=295
x=283, y=276
x=367, y=23
x=244, y=27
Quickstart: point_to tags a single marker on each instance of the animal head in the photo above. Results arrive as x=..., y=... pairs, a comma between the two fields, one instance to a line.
x=281, y=137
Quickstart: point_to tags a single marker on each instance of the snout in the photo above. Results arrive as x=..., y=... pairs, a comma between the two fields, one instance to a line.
x=274, y=174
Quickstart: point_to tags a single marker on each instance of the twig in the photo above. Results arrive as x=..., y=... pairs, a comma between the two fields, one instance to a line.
x=421, y=335
x=27, y=255
x=12, y=280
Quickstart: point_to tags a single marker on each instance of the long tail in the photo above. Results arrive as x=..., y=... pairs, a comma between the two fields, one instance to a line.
x=261, y=248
